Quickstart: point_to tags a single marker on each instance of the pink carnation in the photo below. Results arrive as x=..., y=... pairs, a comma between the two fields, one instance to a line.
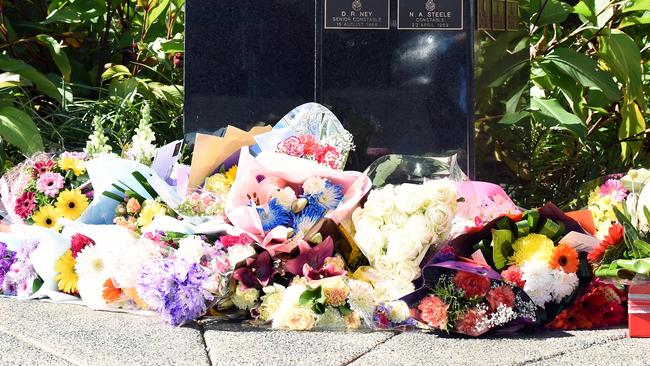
x=329, y=156
x=615, y=188
x=468, y=324
x=433, y=311
x=502, y=295
x=512, y=275
x=50, y=183
x=292, y=146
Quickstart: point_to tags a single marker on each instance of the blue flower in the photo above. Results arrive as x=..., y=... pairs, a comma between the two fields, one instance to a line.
x=329, y=198
x=275, y=215
x=307, y=218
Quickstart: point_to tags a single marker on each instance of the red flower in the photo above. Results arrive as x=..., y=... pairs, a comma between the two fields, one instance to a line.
x=472, y=284
x=25, y=205
x=614, y=237
x=310, y=145
x=469, y=323
x=570, y=320
x=512, y=275
x=230, y=240
x=292, y=146
x=43, y=166
x=613, y=314
x=502, y=295
x=433, y=311
x=78, y=242
x=328, y=155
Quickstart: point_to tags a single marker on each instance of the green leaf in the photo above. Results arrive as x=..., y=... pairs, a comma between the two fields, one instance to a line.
x=159, y=6
x=584, y=70
x=116, y=71
x=631, y=130
x=514, y=118
x=623, y=57
x=636, y=5
x=18, y=129
x=28, y=72
x=60, y=58
x=553, y=114
x=598, y=12
x=37, y=284
x=635, y=20
x=309, y=296
x=173, y=46
x=501, y=247
x=552, y=11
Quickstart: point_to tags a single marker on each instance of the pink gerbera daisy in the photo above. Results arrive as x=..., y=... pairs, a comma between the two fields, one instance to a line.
x=50, y=183
x=615, y=188
x=25, y=205
x=43, y=166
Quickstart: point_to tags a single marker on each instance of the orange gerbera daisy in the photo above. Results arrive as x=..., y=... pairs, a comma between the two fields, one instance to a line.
x=564, y=257
x=111, y=293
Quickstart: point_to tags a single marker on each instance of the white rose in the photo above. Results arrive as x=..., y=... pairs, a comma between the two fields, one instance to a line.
x=385, y=265
x=388, y=229
x=396, y=218
x=285, y=196
x=381, y=201
x=418, y=226
x=239, y=253
x=441, y=191
x=409, y=198
x=440, y=219
x=313, y=185
x=402, y=246
x=370, y=242
x=399, y=311
x=407, y=270
x=643, y=202
x=390, y=290
x=365, y=221
x=191, y=249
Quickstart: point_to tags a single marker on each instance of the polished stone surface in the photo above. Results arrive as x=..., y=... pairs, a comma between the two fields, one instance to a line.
x=397, y=91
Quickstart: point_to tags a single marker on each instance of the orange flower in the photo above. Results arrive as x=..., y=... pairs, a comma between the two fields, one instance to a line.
x=132, y=294
x=564, y=257
x=111, y=293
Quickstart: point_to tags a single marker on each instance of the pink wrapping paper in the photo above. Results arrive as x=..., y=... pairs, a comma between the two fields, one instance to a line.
x=280, y=170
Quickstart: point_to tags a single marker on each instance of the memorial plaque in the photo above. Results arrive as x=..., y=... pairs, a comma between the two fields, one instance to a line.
x=357, y=14
x=483, y=15
x=430, y=14
x=498, y=14
x=512, y=15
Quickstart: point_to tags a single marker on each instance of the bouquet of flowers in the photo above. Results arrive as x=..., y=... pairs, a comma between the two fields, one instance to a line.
x=461, y=297
x=396, y=227
x=45, y=188
x=312, y=132
x=209, y=200
x=531, y=251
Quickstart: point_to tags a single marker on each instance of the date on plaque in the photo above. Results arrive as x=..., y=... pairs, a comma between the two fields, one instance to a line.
x=357, y=14
x=430, y=14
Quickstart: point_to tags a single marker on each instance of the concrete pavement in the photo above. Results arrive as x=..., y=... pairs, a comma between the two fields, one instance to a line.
x=38, y=333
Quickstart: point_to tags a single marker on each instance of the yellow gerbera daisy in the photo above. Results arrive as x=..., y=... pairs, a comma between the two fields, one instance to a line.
x=149, y=210
x=532, y=246
x=66, y=277
x=71, y=203
x=231, y=174
x=46, y=216
x=77, y=166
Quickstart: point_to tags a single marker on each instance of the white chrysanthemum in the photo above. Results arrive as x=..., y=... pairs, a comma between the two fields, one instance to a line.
x=125, y=259
x=538, y=277
x=399, y=311
x=563, y=284
x=362, y=298
x=191, y=249
x=314, y=185
x=92, y=271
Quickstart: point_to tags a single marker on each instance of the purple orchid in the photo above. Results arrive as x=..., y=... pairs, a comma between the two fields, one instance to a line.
x=257, y=272
x=310, y=258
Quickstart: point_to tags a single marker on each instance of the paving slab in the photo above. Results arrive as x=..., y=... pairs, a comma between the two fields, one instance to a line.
x=420, y=348
x=233, y=344
x=56, y=334
x=17, y=351
x=628, y=351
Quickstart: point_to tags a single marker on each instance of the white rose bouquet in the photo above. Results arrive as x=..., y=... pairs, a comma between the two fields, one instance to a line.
x=396, y=227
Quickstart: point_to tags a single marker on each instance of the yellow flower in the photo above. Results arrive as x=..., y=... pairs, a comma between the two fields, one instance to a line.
x=149, y=210
x=532, y=246
x=231, y=174
x=71, y=203
x=46, y=216
x=335, y=291
x=66, y=277
x=217, y=183
x=77, y=166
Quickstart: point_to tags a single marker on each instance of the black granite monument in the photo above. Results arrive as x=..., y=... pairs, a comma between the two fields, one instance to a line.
x=399, y=74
